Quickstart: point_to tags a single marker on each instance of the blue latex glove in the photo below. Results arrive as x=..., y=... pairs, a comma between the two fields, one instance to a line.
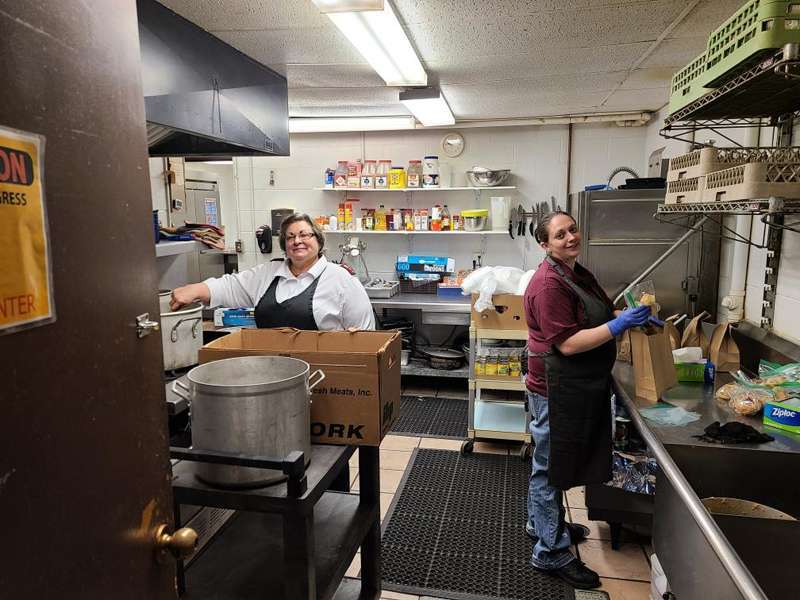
x=630, y=317
x=656, y=321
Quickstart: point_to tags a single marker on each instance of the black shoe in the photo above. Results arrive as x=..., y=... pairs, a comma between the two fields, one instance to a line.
x=577, y=533
x=575, y=573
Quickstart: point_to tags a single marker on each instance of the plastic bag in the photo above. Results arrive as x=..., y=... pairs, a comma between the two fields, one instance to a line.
x=666, y=414
x=634, y=473
x=749, y=401
x=784, y=380
x=488, y=281
x=524, y=282
x=643, y=293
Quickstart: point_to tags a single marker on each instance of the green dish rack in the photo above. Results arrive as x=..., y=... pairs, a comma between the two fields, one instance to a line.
x=758, y=27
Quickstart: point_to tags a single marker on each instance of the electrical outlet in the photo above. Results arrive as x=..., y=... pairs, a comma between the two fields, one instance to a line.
x=271, y=177
x=239, y=246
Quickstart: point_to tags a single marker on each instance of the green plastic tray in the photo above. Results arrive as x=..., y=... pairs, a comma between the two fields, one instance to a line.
x=757, y=28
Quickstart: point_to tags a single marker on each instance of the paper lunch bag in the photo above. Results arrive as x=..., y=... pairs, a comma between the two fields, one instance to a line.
x=722, y=350
x=653, y=367
x=693, y=335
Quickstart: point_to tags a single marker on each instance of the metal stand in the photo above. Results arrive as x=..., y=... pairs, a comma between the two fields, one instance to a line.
x=294, y=540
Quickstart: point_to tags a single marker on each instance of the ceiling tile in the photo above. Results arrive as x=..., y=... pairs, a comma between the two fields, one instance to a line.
x=222, y=15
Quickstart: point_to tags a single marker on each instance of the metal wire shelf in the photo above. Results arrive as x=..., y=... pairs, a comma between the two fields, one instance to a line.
x=769, y=89
x=743, y=207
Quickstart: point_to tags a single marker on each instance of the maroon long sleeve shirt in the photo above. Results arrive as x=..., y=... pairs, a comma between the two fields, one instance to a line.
x=554, y=314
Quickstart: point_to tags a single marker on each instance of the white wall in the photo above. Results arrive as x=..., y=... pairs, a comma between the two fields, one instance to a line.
x=536, y=155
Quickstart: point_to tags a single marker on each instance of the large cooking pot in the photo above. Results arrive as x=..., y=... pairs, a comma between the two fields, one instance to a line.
x=252, y=405
x=164, y=296
x=181, y=336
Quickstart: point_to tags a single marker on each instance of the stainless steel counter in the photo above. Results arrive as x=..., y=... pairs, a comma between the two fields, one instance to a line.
x=700, y=560
x=699, y=398
x=425, y=303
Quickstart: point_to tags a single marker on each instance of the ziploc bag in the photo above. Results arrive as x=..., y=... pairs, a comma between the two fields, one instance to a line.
x=643, y=292
x=666, y=414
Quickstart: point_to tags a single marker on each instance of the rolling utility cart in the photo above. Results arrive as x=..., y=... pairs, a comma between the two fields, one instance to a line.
x=498, y=407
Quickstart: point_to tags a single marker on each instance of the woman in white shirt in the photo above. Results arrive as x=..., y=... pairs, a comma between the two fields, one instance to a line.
x=303, y=291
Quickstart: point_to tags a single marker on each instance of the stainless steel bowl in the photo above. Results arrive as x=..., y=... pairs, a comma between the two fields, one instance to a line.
x=474, y=223
x=481, y=177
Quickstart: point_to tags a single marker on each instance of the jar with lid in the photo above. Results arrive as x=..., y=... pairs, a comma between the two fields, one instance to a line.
x=397, y=178
x=502, y=362
x=480, y=364
x=515, y=363
x=491, y=363
x=455, y=222
x=430, y=171
x=414, y=177
x=446, y=221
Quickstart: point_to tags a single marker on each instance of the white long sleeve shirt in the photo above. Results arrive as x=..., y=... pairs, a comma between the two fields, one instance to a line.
x=340, y=301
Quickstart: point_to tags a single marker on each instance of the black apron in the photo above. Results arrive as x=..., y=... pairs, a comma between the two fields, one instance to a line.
x=578, y=395
x=297, y=312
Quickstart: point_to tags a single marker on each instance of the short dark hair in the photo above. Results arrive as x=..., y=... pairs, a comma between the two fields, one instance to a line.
x=542, y=234
x=295, y=218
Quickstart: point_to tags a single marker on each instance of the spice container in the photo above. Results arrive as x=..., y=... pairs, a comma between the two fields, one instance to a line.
x=408, y=219
x=354, y=173
x=397, y=178
x=446, y=221
x=340, y=175
x=382, y=174
x=368, y=175
x=430, y=171
x=414, y=178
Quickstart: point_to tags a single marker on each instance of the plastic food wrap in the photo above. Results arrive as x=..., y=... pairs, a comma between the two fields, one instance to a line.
x=725, y=392
x=642, y=294
x=634, y=473
x=746, y=400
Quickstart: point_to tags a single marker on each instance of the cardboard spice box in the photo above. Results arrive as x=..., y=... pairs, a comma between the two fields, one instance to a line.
x=359, y=399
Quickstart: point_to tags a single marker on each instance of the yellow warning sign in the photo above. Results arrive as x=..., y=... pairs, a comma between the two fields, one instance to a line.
x=26, y=289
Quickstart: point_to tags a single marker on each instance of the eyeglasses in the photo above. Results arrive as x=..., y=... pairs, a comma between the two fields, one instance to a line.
x=302, y=236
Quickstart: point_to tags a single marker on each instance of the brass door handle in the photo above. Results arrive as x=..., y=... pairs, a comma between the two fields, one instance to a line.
x=180, y=544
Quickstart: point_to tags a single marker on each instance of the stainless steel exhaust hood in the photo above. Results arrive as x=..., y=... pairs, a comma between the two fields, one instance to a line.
x=204, y=97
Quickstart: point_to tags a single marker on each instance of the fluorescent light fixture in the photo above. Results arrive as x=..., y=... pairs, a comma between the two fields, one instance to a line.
x=329, y=6
x=227, y=161
x=381, y=40
x=428, y=105
x=331, y=124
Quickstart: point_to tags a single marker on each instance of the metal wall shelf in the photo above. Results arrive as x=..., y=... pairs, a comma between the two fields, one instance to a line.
x=769, y=89
x=745, y=207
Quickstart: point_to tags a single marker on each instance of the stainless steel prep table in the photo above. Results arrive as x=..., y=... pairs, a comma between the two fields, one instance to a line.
x=426, y=303
x=700, y=560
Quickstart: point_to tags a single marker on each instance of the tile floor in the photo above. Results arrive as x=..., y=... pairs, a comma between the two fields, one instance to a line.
x=625, y=573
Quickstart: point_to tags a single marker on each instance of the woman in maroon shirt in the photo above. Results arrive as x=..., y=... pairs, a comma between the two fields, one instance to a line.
x=571, y=349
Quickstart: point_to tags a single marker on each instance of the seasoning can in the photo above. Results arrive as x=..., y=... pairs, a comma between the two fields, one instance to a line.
x=414, y=178
x=430, y=171
x=397, y=178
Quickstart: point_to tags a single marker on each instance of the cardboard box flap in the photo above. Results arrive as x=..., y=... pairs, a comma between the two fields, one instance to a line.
x=296, y=340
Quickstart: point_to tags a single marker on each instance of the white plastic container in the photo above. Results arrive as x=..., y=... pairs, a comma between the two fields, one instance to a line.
x=500, y=210
x=430, y=172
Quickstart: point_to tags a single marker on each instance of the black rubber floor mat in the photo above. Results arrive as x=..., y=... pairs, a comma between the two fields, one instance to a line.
x=432, y=417
x=456, y=529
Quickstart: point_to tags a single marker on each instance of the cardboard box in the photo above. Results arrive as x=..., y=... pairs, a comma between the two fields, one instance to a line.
x=783, y=415
x=359, y=399
x=509, y=313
